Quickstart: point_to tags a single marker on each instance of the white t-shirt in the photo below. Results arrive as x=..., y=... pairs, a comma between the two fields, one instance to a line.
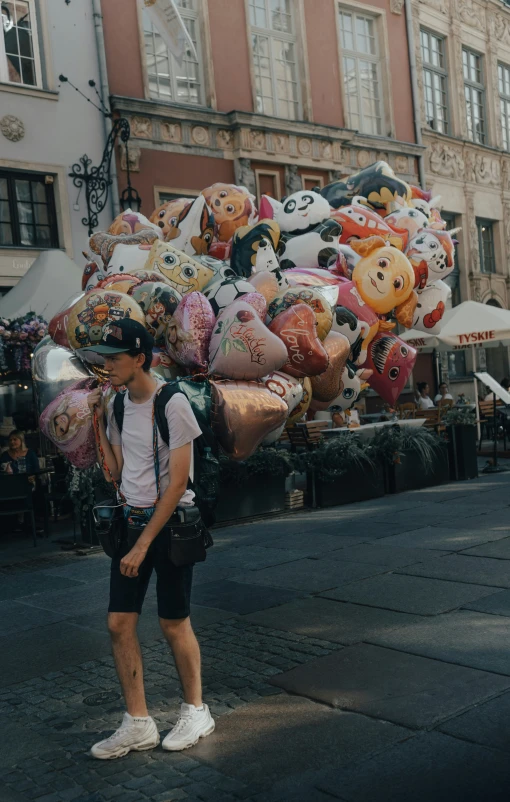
x=439, y=397
x=138, y=483
x=425, y=403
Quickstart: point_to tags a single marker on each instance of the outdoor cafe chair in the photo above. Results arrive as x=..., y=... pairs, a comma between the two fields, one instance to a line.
x=407, y=411
x=16, y=497
x=488, y=422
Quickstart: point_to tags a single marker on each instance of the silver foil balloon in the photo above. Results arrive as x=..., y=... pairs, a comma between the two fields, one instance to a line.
x=53, y=369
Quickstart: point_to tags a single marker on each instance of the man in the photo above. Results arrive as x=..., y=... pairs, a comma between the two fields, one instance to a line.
x=127, y=350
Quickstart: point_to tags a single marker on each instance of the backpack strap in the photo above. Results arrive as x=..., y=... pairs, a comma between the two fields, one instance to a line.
x=162, y=398
x=118, y=409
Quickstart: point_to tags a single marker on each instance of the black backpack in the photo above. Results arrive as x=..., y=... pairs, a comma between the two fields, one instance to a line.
x=206, y=467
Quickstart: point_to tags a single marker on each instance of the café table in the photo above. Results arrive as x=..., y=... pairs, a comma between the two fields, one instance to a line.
x=39, y=486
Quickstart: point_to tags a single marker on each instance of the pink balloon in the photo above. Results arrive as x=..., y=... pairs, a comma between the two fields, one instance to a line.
x=392, y=361
x=241, y=345
x=189, y=330
x=297, y=328
x=258, y=302
x=67, y=422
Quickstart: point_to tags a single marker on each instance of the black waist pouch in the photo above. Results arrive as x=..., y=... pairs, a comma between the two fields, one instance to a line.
x=189, y=538
x=109, y=525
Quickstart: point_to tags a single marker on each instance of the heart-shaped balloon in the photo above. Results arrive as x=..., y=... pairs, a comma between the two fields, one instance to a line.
x=96, y=310
x=242, y=414
x=258, y=302
x=309, y=296
x=189, y=331
x=288, y=388
x=241, y=345
x=392, y=361
x=326, y=386
x=266, y=284
x=158, y=301
x=302, y=408
x=297, y=329
x=67, y=422
x=53, y=369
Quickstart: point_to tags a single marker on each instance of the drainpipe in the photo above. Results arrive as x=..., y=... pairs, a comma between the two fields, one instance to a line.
x=105, y=94
x=414, y=88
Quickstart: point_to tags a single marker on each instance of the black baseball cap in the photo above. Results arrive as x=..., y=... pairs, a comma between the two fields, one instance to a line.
x=121, y=336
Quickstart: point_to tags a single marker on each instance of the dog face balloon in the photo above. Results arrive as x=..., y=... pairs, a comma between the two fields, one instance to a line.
x=351, y=386
x=391, y=360
x=410, y=219
x=253, y=248
x=232, y=206
x=430, y=308
x=130, y=222
x=194, y=231
x=182, y=272
x=167, y=215
x=432, y=256
x=383, y=276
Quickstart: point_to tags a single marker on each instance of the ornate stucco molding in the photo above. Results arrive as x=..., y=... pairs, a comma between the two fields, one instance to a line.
x=12, y=128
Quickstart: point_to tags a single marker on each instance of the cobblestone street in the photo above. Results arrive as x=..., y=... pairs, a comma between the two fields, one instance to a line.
x=358, y=653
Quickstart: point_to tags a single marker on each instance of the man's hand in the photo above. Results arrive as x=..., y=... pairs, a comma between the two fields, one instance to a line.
x=130, y=564
x=95, y=401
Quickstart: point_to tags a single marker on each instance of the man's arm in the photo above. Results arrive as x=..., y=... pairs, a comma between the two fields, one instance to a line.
x=112, y=453
x=179, y=466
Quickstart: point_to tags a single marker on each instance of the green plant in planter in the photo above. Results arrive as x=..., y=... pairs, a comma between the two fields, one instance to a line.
x=265, y=460
x=459, y=417
x=336, y=457
x=391, y=442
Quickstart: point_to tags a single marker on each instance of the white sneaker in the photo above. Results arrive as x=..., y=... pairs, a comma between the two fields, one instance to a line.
x=192, y=725
x=134, y=734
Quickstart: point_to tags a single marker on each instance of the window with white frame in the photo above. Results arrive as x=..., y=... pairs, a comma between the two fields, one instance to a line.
x=504, y=102
x=169, y=80
x=474, y=93
x=19, y=52
x=361, y=71
x=273, y=36
x=435, y=80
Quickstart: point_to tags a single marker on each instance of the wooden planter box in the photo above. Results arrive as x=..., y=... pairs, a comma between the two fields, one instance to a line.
x=410, y=473
x=358, y=484
x=261, y=494
x=462, y=452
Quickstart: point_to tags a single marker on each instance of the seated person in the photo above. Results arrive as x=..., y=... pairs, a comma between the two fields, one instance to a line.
x=16, y=451
x=505, y=383
x=443, y=394
x=423, y=400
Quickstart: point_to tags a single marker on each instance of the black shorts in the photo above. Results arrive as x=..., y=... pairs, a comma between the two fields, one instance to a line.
x=173, y=585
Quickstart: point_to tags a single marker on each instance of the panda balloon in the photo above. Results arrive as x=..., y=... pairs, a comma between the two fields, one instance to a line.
x=309, y=238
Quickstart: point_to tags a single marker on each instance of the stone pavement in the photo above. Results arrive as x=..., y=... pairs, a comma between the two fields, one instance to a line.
x=359, y=653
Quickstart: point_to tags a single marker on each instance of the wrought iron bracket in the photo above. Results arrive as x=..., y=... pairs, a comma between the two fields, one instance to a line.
x=97, y=180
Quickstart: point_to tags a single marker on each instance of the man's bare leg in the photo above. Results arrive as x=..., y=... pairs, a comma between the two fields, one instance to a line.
x=186, y=651
x=128, y=661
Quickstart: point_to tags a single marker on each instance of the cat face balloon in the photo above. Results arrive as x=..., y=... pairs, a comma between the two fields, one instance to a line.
x=392, y=361
x=300, y=211
x=431, y=306
x=182, y=272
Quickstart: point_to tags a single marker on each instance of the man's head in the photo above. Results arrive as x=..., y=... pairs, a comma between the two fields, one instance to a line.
x=126, y=347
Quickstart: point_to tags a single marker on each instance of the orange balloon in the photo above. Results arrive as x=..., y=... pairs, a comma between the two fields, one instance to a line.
x=242, y=414
x=297, y=328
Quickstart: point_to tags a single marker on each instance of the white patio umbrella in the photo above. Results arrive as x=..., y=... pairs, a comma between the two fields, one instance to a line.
x=468, y=325
x=48, y=283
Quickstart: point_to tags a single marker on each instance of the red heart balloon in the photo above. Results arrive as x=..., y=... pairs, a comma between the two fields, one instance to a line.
x=297, y=328
x=57, y=328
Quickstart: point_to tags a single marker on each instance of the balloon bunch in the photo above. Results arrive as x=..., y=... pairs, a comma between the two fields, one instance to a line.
x=17, y=339
x=281, y=311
